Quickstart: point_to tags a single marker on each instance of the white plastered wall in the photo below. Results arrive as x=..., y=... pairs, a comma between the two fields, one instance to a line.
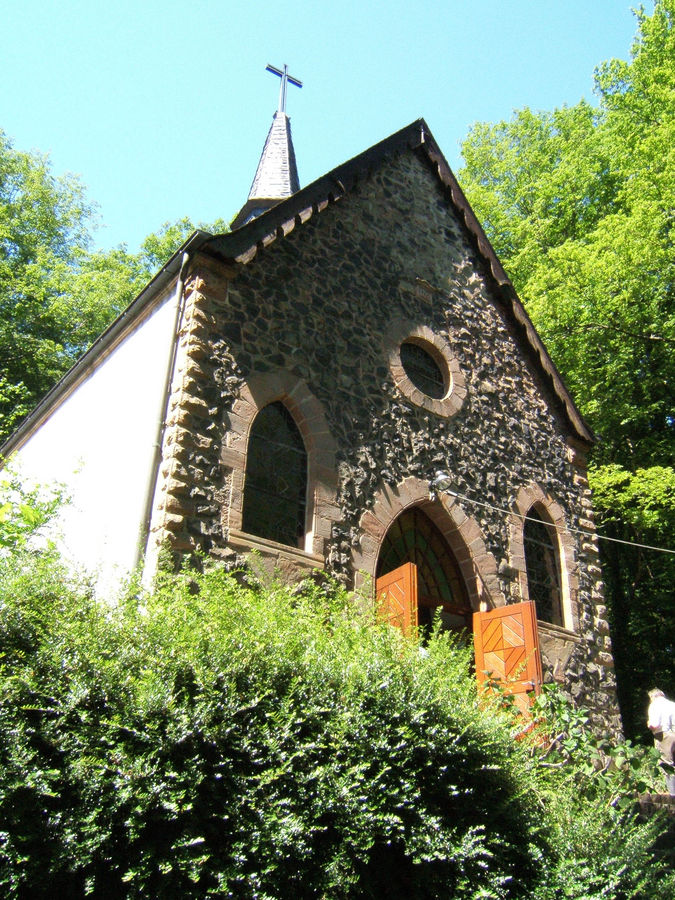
x=100, y=443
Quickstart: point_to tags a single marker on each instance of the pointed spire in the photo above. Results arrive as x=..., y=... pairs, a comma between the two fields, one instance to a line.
x=277, y=174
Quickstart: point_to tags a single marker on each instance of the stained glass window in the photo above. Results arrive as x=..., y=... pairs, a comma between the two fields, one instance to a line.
x=413, y=537
x=423, y=370
x=275, y=486
x=541, y=563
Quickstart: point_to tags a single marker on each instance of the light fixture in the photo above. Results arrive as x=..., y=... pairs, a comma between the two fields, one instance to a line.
x=440, y=483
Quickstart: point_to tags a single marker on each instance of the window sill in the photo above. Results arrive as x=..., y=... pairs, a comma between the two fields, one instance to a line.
x=558, y=631
x=243, y=542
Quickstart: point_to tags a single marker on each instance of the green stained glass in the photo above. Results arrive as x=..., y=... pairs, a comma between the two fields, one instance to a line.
x=275, y=486
x=423, y=370
x=541, y=563
x=413, y=537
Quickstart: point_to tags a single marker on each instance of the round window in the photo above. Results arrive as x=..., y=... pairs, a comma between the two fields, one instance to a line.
x=424, y=370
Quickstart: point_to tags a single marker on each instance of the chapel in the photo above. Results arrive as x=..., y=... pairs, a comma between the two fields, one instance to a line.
x=346, y=381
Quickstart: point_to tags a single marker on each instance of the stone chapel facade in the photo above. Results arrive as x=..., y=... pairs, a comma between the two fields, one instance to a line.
x=293, y=386
x=367, y=320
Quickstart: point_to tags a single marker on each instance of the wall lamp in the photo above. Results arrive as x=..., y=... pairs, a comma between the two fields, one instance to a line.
x=440, y=484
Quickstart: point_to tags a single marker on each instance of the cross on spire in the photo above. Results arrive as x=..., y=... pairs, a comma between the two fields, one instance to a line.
x=285, y=78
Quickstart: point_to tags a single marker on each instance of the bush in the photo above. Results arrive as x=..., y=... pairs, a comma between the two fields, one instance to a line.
x=232, y=740
x=591, y=788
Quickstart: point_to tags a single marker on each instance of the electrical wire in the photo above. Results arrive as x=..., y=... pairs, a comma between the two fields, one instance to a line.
x=591, y=534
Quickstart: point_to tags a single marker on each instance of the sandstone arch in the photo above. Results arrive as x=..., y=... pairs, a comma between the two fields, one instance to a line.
x=461, y=531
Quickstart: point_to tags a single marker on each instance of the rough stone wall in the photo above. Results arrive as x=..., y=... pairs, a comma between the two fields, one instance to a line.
x=206, y=379
x=317, y=303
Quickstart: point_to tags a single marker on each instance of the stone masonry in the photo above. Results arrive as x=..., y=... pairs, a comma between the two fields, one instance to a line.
x=314, y=317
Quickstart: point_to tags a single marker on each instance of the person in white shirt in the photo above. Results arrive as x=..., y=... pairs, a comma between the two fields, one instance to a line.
x=661, y=722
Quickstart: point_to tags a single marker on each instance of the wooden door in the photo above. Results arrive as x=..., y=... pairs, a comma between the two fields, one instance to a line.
x=507, y=650
x=396, y=594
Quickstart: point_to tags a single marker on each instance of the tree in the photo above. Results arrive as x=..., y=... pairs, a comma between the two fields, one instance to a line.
x=44, y=231
x=579, y=204
x=105, y=282
x=57, y=294
x=25, y=512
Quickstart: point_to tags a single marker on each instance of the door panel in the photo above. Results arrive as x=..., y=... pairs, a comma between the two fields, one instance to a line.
x=507, y=650
x=396, y=594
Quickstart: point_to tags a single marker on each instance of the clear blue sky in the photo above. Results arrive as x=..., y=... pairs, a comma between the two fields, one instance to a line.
x=162, y=108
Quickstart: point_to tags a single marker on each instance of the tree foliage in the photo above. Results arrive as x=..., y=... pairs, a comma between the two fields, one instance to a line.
x=236, y=740
x=25, y=511
x=57, y=294
x=44, y=230
x=580, y=206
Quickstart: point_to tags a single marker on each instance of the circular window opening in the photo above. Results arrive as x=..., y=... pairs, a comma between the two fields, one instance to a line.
x=423, y=370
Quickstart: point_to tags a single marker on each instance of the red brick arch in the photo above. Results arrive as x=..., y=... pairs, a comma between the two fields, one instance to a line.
x=462, y=533
x=439, y=347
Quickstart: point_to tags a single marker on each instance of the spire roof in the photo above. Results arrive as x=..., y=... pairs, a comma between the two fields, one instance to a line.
x=277, y=174
x=276, y=177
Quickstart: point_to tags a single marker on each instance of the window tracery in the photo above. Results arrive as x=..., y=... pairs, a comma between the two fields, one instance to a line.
x=413, y=537
x=543, y=555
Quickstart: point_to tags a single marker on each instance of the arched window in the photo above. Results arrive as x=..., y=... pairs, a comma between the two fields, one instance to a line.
x=543, y=572
x=275, y=485
x=413, y=537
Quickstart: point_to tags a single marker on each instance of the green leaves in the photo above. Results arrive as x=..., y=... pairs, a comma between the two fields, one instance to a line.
x=56, y=294
x=25, y=510
x=44, y=227
x=601, y=771
x=225, y=741
x=645, y=499
x=580, y=206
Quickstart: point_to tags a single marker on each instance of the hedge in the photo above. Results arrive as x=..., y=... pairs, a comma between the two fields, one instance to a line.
x=223, y=738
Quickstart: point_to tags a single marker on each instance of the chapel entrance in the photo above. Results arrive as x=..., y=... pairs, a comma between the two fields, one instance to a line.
x=440, y=588
x=418, y=576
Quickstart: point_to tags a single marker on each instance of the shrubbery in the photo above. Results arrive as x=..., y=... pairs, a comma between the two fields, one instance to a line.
x=228, y=739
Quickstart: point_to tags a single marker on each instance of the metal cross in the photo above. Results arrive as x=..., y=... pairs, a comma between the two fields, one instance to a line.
x=285, y=77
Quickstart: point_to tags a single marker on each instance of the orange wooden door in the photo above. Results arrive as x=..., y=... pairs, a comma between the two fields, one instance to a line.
x=396, y=594
x=507, y=650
